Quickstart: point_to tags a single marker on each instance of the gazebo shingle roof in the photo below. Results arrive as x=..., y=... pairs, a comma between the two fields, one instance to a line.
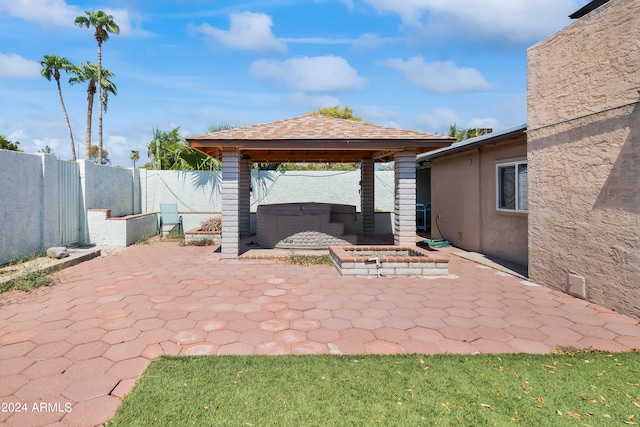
x=312, y=137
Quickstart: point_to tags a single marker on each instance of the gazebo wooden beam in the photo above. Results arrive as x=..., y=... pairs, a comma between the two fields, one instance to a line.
x=310, y=154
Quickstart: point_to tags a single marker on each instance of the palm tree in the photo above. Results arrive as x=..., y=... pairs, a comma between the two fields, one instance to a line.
x=134, y=156
x=51, y=66
x=104, y=24
x=88, y=72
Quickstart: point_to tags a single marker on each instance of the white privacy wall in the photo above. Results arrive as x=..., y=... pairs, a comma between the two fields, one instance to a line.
x=196, y=191
x=106, y=187
x=21, y=210
x=31, y=194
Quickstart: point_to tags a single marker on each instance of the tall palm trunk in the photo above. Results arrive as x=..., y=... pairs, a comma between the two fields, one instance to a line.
x=100, y=100
x=66, y=116
x=91, y=90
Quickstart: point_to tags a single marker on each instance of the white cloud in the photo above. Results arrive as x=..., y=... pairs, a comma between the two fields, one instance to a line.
x=380, y=115
x=309, y=74
x=438, y=120
x=117, y=147
x=312, y=102
x=128, y=22
x=483, y=123
x=17, y=135
x=59, y=13
x=53, y=143
x=15, y=66
x=370, y=40
x=443, y=77
x=348, y=3
x=365, y=41
x=247, y=31
x=317, y=40
x=518, y=20
x=44, y=12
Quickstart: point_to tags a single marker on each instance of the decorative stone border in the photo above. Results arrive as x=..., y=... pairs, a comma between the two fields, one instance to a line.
x=387, y=261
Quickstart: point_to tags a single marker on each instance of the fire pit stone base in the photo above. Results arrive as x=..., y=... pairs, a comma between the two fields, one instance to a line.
x=387, y=261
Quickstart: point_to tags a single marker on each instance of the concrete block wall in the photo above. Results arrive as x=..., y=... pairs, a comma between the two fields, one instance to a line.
x=405, y=198
x=245, y=197
x=367, y=196
x=105, y=187
x=230, y=236
x=192, y=191
x=21, y=209
x=30, y=196
x=584, y=158
x=105, y=230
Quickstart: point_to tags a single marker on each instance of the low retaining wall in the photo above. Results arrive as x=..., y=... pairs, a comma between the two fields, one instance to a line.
x=120, y=231
x=387, y=261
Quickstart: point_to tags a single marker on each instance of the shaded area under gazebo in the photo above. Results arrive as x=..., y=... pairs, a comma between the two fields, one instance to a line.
x=315, y=138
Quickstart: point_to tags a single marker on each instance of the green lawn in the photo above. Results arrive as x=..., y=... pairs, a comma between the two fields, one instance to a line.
x=563, y=389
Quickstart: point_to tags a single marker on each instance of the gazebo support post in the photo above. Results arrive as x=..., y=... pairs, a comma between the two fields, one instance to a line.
x=230, y=235
x=367, y=197
x=405, y=198
x=245, y=197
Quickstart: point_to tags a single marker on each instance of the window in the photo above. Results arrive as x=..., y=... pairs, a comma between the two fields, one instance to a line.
x=511, y=192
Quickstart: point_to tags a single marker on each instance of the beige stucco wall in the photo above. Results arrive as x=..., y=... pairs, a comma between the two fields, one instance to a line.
x=455, y=197
x=584, y=158
x=464, y=193
x=504, y=234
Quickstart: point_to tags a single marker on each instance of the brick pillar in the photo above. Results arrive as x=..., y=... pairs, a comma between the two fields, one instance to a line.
x=367, y=197
x=230, y=235
x=405, y=198
x=245, y=197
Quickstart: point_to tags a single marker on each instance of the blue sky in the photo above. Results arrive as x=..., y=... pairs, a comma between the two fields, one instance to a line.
x=412, y=64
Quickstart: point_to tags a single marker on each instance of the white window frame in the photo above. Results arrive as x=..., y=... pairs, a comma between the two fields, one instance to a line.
x=517, y=195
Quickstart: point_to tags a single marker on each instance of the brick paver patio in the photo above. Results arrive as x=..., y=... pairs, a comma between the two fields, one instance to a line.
x=79, y=346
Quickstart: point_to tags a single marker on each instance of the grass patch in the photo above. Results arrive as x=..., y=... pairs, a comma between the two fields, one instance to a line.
x=566, y=389
x=306, y=260
x=172, y=236
x=145, y=239
x=29, y=276
x=199, y=242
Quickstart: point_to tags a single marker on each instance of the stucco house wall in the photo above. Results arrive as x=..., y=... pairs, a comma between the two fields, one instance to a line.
x=455, y=200
x=464, y=193
x=584, y=158
x=503, y=234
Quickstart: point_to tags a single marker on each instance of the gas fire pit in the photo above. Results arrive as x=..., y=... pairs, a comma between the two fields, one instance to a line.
x=387, y=261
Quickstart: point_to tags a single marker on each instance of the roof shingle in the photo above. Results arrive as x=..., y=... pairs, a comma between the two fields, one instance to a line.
x=314, y=126
x=315, y=138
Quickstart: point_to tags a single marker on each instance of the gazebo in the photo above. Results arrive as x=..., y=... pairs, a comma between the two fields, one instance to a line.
x=315, y=138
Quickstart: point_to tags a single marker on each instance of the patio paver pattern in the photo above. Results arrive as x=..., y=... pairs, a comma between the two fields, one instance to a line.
x=85, y=341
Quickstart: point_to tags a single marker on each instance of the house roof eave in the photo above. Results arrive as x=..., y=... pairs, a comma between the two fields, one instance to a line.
x=472, y=143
